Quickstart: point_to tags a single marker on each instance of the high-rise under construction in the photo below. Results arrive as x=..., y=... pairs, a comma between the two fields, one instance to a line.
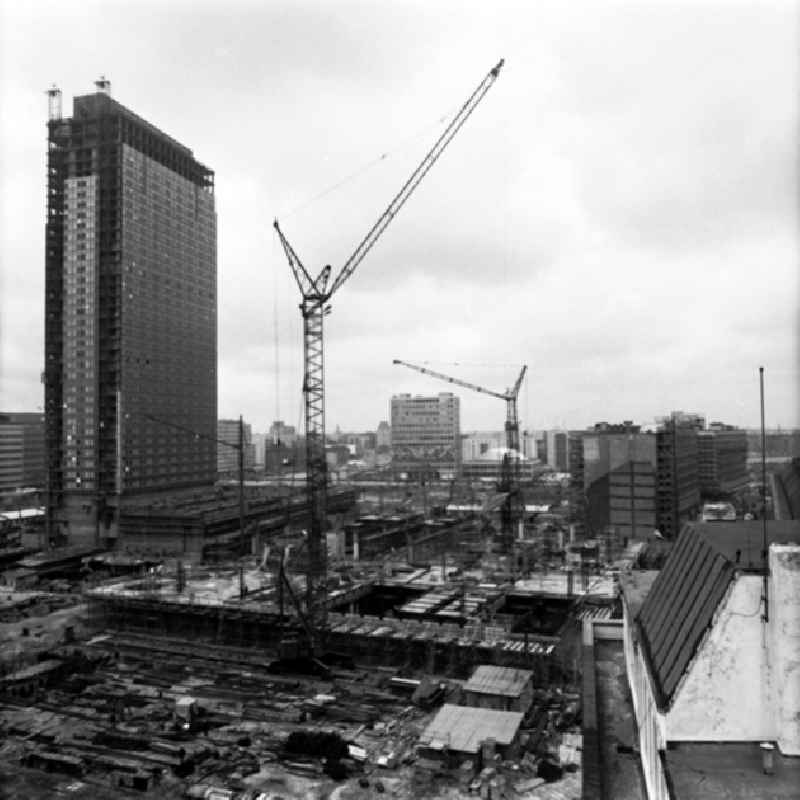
x=130, y=314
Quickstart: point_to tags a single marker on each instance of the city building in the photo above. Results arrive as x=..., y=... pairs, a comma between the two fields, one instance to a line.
x=783, y=444
x=632, y=498
x=557, y=450
x=575, y=459
x=259, y=447
x=712, y=649
x=426, y=435
x=533, y=445
x=282, y=434
x=228, y=456
x=722, y=459
x=383, y=437
x=786, y=485
x=359, y=442
x=22, y=451
x=476, y=444
x=618, y=467
x=678, y=488
x=489, y=466
x=577, y=496
x=130, y=315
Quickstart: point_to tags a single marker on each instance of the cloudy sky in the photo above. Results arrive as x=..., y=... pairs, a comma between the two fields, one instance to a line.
x=620, y=213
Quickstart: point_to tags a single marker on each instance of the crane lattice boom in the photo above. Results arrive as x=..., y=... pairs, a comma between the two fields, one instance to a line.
x=314, y=306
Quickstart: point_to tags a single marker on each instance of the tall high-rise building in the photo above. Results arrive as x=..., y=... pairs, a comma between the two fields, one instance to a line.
x=678, y=489
x=426, y=434
x=130, y=314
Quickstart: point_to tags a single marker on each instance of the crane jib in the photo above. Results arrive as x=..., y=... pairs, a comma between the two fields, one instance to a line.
x=315, y=294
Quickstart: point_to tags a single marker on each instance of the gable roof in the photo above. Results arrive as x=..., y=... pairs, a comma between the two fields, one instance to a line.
x=687, y=592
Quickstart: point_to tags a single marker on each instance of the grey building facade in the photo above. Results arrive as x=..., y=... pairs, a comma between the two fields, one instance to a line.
x=426, y=434
x=130, y=315
x=22, y=452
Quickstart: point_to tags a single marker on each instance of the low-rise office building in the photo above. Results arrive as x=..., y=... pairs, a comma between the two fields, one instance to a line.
x=722, y=459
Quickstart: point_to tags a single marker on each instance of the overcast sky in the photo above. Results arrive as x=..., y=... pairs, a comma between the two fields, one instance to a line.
x=620, y=213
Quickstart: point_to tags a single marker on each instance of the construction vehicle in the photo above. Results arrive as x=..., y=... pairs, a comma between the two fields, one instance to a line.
x=512, y=510
x=316, y=294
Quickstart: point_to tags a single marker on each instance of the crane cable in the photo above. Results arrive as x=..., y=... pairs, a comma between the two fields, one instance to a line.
x=401, y=145
x=276, y=334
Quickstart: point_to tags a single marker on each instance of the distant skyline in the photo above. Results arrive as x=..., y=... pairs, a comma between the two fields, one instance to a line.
x=620, y=213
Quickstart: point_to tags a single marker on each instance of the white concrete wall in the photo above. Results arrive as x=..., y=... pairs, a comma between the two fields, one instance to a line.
x=784, y=637
x=726, y=694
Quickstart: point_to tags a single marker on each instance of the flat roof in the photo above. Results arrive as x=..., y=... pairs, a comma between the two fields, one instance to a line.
x=746, y=536
x=732, y=771
x=464, y=729
x=505, y=681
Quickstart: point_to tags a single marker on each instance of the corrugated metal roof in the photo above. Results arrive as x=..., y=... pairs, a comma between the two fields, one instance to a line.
x=464, y=729
x=505, y=681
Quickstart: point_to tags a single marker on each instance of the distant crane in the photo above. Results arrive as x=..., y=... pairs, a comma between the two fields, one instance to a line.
x=315, y=293
x=512, y=510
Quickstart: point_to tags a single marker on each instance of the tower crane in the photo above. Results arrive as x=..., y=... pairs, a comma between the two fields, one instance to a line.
x=512, y=509
x=315, y=295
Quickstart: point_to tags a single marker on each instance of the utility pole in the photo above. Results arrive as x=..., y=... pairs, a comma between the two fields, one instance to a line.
x=241, y=487
x=765, y=541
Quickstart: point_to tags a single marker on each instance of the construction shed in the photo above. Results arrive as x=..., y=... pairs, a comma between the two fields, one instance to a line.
x=500, y=688
x=460, y=733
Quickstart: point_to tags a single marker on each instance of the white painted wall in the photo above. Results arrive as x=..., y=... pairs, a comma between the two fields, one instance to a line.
x=784, y=637
x=649, y=722
x=726, y=694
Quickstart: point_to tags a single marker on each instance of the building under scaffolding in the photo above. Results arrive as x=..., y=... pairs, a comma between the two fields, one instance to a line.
x=130, y=315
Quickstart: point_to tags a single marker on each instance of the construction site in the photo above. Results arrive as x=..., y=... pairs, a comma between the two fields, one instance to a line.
x=180, y=679
x=420, y=639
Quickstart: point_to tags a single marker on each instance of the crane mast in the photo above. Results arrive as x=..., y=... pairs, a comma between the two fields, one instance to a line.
x=315, y=294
